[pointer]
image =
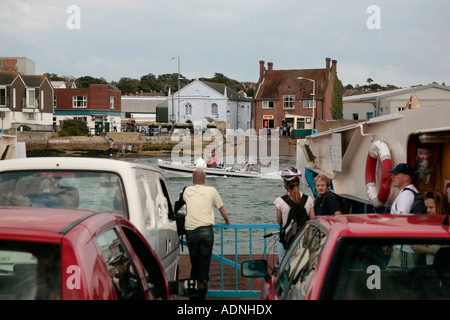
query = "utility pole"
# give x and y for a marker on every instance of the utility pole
(178, 91)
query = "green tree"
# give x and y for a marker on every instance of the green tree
(336, 98)
(128, 85)
(84, 82)
(74, 127)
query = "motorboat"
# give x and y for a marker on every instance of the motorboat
(357, 157)
(242, 170)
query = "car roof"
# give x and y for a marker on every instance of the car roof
(70, 163)
(41, 224)
(378, 225)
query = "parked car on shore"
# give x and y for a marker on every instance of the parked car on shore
(362, 256)
(136, 192)
(52, 254)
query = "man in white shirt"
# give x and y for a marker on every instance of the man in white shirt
(200, 203)
(402, 176)
(403, 256)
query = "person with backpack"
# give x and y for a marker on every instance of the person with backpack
(293, 209)
(402, 177)
(327, 202)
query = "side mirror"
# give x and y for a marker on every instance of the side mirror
(188, 288)
(254, 269)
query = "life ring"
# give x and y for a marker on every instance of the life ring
(378, 150)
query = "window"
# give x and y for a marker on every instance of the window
(188, 109)
(2, 96)
(308, 104)
(363, 271)
(355, 116)
(288, 101)
(95, 191)
(79, 101)
(369, 115)
(29, 271)
(214, 109)
(300, 123)
(31, 99)
(268, 104)
(122, 270)
(299, 263)
(111, 102)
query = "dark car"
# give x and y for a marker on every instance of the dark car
(49, 253)
(362, 257)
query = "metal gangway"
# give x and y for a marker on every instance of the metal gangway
(233, 244)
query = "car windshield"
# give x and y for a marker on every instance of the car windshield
(389, 269)
(84, 190)
(29, 271)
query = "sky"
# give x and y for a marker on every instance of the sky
(396, 42)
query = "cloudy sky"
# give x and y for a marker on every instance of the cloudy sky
(398, 42)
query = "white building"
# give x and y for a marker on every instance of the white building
(366, 106)
(202, 102)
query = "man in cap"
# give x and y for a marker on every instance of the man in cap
(402, 176)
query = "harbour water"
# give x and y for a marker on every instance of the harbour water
(247, 200)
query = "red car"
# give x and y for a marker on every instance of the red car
(362, 257)
(48, 253)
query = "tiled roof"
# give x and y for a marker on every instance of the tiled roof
(7, 77)
(231, 93)
(274, 79)
(33, 81)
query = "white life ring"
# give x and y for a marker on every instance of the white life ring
(378, 150)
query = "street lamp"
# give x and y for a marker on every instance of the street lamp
(178, 91)
(314, 97)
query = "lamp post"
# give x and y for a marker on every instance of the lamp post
(314, 97)
(178, 91)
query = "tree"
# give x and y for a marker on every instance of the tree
(84, 82)
(369, 80)
(74, 127)
(128, 85)
(336, 98)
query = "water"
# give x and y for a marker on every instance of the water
(247, 200)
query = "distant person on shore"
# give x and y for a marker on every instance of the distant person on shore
(200, 203)
(111, 146)
(327, 203)
(129, 148)
(122, 149)
(293, 198)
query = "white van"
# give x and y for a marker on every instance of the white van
(134, 191)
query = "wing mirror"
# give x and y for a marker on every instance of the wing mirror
(254, 269)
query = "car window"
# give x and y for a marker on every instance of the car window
(29, 271)
(94, 191)
(122, 270)
(153, 273)
(299, 263)
(389, 269)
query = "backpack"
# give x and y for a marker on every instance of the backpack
(297, 218)
(180, 217)
(418, 205)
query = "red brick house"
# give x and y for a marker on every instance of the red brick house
(281, 98)
(98, 106)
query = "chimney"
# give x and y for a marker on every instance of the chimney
(328, 67)
(261, 70)
(333, 65)
(270, 65)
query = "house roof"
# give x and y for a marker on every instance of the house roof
(274, 79)
(231, 93)
(7, 77)
(33, 81)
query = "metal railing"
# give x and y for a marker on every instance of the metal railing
(242, 236)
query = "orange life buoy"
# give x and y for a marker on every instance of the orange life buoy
(378, 150)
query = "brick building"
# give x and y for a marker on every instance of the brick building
(282, 98)
(98, 106)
